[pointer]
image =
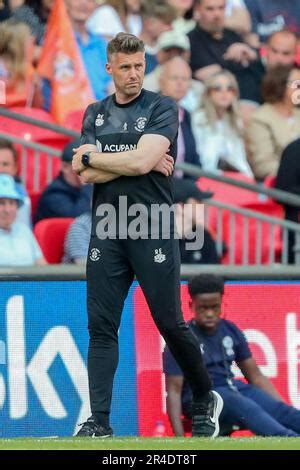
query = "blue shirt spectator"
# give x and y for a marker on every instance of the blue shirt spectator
(93, 54)
(18, 246)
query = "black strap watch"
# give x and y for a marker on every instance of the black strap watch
(85, 159)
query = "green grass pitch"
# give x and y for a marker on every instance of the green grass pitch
(135, 443)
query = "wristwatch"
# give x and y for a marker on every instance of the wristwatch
(85, 159)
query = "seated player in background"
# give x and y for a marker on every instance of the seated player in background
(255, 405)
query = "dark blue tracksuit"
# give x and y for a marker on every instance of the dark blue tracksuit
(245, 405)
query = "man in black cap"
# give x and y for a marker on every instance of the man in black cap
(66, 196)
(186, 192)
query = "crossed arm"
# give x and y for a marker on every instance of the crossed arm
(150, 154)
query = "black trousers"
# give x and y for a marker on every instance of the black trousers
(111, 267)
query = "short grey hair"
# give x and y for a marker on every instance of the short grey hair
(125, 43)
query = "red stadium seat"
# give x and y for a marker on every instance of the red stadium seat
(39, 168)
(50, 234)
(226, 194)
(229, 194)
(268, 207)
(270, 181)
(31, 132)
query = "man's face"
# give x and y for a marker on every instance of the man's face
(127, 71)
(211, 15)
(7, 162)
(8, 212)
(80, 10)
(207, 309)
(281, 50)
(175, 80)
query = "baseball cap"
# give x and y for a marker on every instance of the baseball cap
(8, 189)
(187, 188)
(172, 38)
(67, 154)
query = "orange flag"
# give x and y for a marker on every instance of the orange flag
(62, 65)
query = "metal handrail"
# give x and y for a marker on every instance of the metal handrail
(36, 122)
(287, 224)
(68, 272)
(32, 145)
(278, 195)
(286, 227)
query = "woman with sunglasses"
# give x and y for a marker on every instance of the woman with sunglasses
(218, 128)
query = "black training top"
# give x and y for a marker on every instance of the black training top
(115, 127)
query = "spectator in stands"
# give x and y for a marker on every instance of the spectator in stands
(174, 44)
(4, 10)
(281, 49)
(218, 128)
(18, 247)
(237, 17)
(35, 14)
(9, 166)
(255, 405)
(114, 16)
(288, 179)
(191, 222)
(78, 239)
(66, 196)
(275, 124)
(175, 79)
(92, 47)
(157, 17)
(16, 71)
(269, 16)
(213, 47)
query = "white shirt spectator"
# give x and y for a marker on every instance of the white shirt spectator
(106, 21)
(18, 246)
(219, 142)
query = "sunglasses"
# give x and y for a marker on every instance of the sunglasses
(223, 88)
